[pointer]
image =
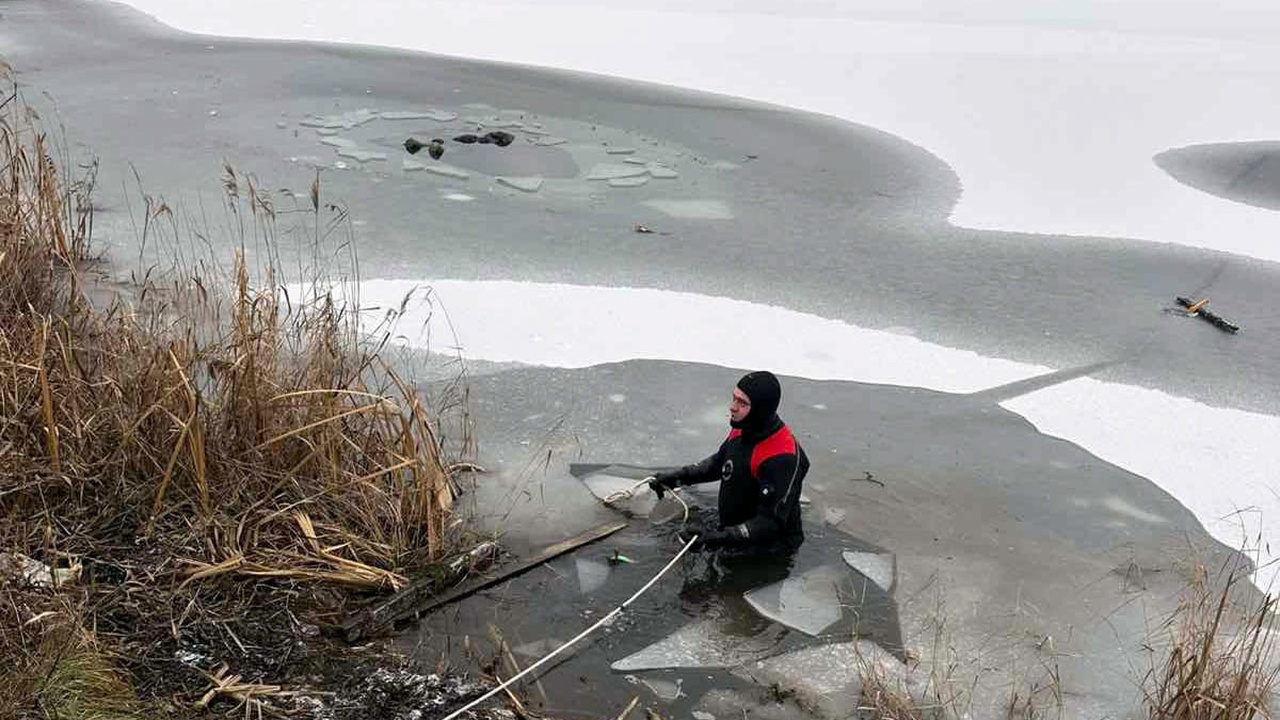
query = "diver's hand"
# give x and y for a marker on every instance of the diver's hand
(660, 483)
(710, 540)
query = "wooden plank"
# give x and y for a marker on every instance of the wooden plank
(395, 609)
(443, 575)
(1197, 309)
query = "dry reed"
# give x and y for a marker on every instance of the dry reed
(209, 440)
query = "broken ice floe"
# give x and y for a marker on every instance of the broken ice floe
(619, 150)
(877, 567)
(665, 690)
(338, 142)
(361, 155)
(702, 644)
(448, 171)
(723, 703)
(345, 120)
(628, 182)
(828, 678)
(809, 602)
(613, 171)
(526, 184)
(437, 115)
(616, 487)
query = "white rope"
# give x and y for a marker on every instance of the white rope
(627, 494)
(602, 621)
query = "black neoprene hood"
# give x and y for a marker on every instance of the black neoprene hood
(764, 391)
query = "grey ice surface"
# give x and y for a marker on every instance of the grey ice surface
(809, 602)
(620, 150)
(864, 212)
(876, 567)
(661, 172)
(526, 184)
(834, 516)
(549, 140)
(702, 644)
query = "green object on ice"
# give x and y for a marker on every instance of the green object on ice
(618, 558)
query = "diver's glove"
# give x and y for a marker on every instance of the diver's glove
(661, 482)
(712, 539)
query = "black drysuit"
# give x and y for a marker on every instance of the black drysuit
(761, 472)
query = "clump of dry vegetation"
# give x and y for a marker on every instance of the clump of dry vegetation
(224, 464)
(935, 692)
(1215, 655)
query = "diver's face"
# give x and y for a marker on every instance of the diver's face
(739, 406)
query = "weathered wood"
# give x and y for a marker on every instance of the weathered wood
(417, 601)
(446, 574)
(1217, 321)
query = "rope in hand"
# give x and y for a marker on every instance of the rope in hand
(602, 621)
(620, 495)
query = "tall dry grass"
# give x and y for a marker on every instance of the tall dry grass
(1215, 655)
(55, 667)
(217, 420)
(206, 445)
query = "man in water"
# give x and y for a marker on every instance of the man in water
(761, 470)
